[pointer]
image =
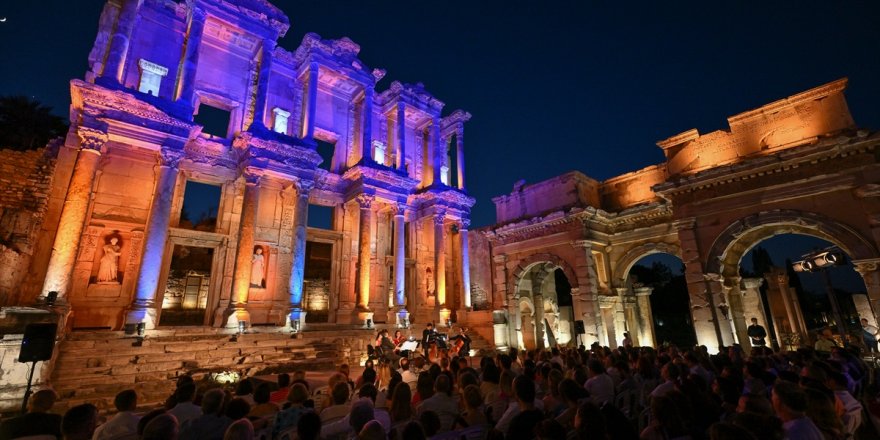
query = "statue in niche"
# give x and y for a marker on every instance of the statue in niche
(108, 271)
(258, 268)
(429, 282)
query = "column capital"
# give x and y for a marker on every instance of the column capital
(643, 291)
(865, 267)
(439, 218)
(365, 201)
(684, 223)
(398, 209)
(586, 244)
(303, 187)
(459, 131)
(465, 223)
(251, 176)
(92, 139)
(170, 158)
(752, 283)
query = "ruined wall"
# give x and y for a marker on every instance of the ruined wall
(632, 189)
(25, 178)
(561, 192)
(481, 270)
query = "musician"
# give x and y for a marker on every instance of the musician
(427, 338)
(398, 339)
(462, 342)
(757, 334)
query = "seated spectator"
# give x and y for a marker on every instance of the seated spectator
(124, 424)
(288, 417)
(372, 431)
(472, 404)
(237, 408)
(185, 410)
(79, 422)
(589, 422)
(212, 424)
(280, 396)
(442, 403)
(522, 425)
(263, 407)
(37, 420)
(848, 408)
(669, 373)
(666, 421)
(161, 427)
(245, 390)
(790, 404)
(340, 406)
(240, 430)
(148, 417)
(370, 392)
(599, 385)
(413, 431)
(309, 426)
(430, 422)
(407, 375)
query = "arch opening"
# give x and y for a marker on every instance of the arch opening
(657, 285)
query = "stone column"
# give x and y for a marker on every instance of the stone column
(119, 43)
(400, 266)
(367, 139)
(718, 300)
(646, 316)
(459, 153)
(870, 272)
(263, 83)
(311, 104)
(753, 306)
(440, 266)
(702, 298)
(187, 86)
(401, 136)
(365, 202)
(73, 213)
(241, 278)
(538, 301)
(437, 157)
(737, 312)
(585, 303)
(465, 264)
(620, 323)
(298, 265)
(144, 307)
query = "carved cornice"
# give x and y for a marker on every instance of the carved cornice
(866, 267)
(170, 158)
(99, 102)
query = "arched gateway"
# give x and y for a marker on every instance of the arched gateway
(798, 165)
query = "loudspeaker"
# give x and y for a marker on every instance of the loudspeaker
(38, 342)
(579, 327)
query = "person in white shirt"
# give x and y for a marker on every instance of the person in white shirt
(407, 375)
(185, 409)
(367, 395)
(123, 426)
(599, 384)
(850, 410)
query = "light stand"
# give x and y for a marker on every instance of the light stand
(819, 261)
(27, 392)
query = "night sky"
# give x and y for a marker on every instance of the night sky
(553, 86)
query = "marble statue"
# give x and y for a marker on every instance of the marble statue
(108, 270)
(257, 268)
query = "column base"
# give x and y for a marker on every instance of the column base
(146, 315)
(402, 318)
(445, 315)
(365, 316)
(237, 316)
(296, 320)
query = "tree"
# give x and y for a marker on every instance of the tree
(26, 124)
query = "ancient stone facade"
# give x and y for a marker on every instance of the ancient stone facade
(398, 237)
(798, 165)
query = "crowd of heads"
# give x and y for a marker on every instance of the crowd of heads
(560, 393)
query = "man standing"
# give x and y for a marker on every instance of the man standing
(757, 334)
(427, 337)
(869, 336)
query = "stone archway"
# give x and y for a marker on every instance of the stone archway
(534, 280)
(526, 311)
(527, 263)
(625, 263)
(724, 257)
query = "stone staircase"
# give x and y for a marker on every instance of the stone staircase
(94, 366)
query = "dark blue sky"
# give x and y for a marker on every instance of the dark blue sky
(553, 86)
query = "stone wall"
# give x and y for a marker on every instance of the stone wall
(25, 178)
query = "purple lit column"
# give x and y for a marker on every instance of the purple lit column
(312, 96)
(241, 278)
(437, 157)
(400, 266)
(144, 308)
(401, 136)
(120, 41)
(187, 86)
(298, 266)
(365, 202)
(459, 151)
(367, 141)
(465, 263)
(74, 213)
(263, 83)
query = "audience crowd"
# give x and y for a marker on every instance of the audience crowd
(560, 394)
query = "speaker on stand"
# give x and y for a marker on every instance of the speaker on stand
(579, 329)
(37, 345)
